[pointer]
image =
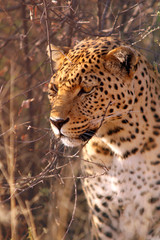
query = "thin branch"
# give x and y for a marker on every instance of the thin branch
(146, 34)
(75, 201)
(48, 36)
(28, 69)
(73, 7)
(106, 8)
(10, 9)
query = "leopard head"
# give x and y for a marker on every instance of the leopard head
(91, 87)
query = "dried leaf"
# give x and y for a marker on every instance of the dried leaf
(26, 103)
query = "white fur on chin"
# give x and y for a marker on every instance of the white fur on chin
(71, 142)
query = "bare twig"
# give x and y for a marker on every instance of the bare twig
(146, 34)
(107, 4)
(28, 69)
(48, 36)
(11, 160)
(75, 201)
(31, 220)
(10, 9)
(73, 7)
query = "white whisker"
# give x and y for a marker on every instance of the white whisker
(113, 115)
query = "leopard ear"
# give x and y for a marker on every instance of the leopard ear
(122, 62)
(56, 54)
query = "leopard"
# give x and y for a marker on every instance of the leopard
(104, 98)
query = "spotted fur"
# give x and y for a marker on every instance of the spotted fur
(104, 97)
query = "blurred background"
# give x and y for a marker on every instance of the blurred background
(40, 190)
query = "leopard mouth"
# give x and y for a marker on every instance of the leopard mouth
(86, 136)
(73, 141)
(80, 140)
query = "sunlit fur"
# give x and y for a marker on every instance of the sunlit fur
(104, 98)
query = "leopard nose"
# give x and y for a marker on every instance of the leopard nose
(58, 122)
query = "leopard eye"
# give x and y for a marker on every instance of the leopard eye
(85, 90)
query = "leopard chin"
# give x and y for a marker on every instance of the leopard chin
(71, 142)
